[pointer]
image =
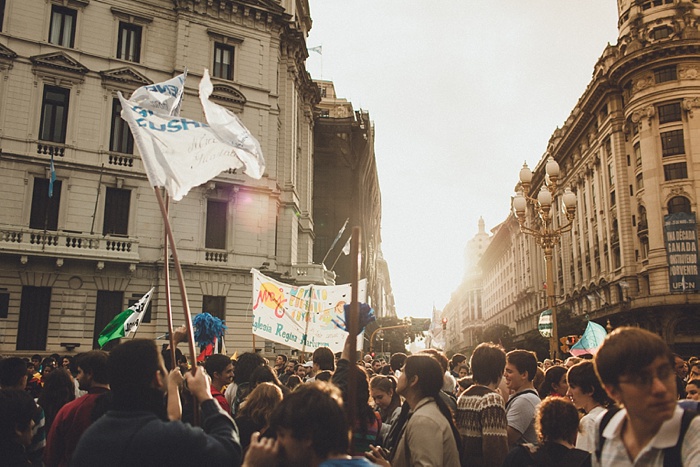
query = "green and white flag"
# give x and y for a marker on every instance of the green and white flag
(126, 322)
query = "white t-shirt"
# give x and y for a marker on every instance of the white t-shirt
(586, 439)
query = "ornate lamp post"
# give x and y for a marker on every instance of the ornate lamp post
(545, 234)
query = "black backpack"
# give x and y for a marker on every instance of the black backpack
(672, 455)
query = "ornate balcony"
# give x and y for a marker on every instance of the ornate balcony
(76, 245)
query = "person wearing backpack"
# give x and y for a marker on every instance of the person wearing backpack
(635, 367)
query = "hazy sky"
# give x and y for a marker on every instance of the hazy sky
(461, 92)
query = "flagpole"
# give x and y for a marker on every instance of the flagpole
(353, 324)
(308, 319)
(180, 279)
(168, 308)
(336, 259)
(337, 237)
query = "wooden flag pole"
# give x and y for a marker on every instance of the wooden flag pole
(168, 306)
(180, 279)
(353, 325)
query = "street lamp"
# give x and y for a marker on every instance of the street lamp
(545, 234)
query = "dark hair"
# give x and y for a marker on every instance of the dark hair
(397, 360)
(488, 361)
(556, 419)
(293, 381)
(245, 366)
(626, 351)
(315, 412)
(386, 384)
(94, 362)
(324, 358)
(523, 360)
(216, 363)
(430, 380)
(17, 408)
(457, 359)
(552, 376)
(284, 357)
(131, 366)
(439, 357)
(264, 374)
(582, 376)
(12, 370)
(58, 391)
(324, 375)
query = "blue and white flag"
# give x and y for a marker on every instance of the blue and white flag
(53, 178)
(162, 98)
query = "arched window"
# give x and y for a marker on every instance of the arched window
(679, 204)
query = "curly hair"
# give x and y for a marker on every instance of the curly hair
(260, 403)
(556, 419)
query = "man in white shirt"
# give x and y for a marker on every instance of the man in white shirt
(635, 367)
(521, 367)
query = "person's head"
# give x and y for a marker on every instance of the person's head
(220, 369)
(92, 369)
(521, 366)
(17, 409)
(397, 360)
(281, 360)
(487, 362)
(556, 420)
(13, 373)
(585, 390)
(383, 391)
(694, 372)
(289, 367)
(680, 366)
(547, 363)
(261, 402)
(692, 390)
(324, 375)
(47, 366)
(66, 362)
(245, 365)
(554, 383)
(571, 361)
(136, 367)
(376, 366)
(264, 374)
(367, 358)
(300, 371)
(462, 370)
(636, 369)
(323, 359)
(293, 381)
(439, 357)
(36, 360)
(422, 376)
(457, 360)
(310, 424)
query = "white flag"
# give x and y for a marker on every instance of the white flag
(231, 130)
(346, 248)
(162, 98)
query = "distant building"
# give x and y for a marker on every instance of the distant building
(346, 186)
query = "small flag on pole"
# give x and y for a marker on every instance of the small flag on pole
(590, 341)
(318, 49)
(346, 248)
(125, 322)
(53, 178)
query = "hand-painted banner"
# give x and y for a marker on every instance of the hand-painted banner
(281, 311)
(680, 235)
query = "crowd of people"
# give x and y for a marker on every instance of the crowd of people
(633, 403)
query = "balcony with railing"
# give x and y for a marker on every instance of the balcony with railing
(66, 244)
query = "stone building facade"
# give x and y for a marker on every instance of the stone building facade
(71, 261)
(630, 150)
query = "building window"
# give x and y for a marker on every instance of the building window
(612, 198)
(54, 114)
(675, 171)
(638, 154)
(662, 32)
(33, 324)
(120, 138)
(129, 43)
(611, 174)
(116, 216)
(667, 73)
(216, 224)
(44, 213)
(640, 181)
(679, 204)
(62, 29)
(223, 61)
(215, 306)
(672, 143)
(670, 112)
(2, 13)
